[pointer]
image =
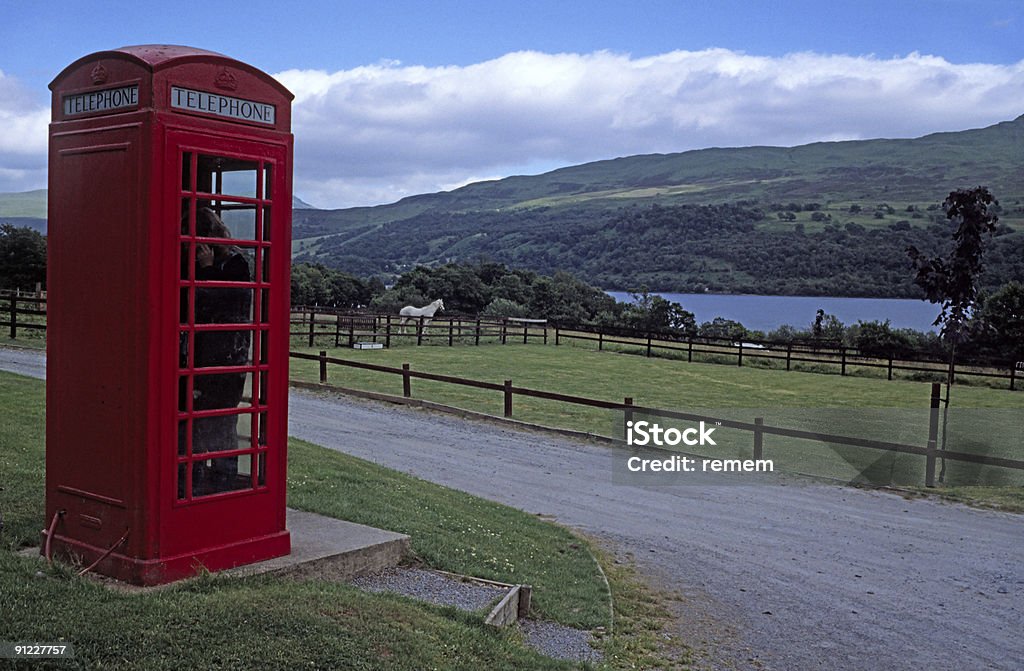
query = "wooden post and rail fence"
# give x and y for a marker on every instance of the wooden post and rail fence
(345, 329)
(838, 357)
(758, 429)
(22, 311)
(27, 312)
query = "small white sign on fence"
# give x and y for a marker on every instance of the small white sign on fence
(367, 345)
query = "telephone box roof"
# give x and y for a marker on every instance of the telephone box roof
(156, 57)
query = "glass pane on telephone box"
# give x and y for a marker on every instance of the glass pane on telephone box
(225, 198)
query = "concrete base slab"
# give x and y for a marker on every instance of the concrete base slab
(330, 549)
(322, 547)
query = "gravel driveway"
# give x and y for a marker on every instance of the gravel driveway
(785, 576)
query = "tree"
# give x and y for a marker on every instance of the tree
(723, 328)
(649, 312)
(503, 307)
(878, 339)
(1000, 322)
(314, 284)
(22, 257)
(458, 285)
(952, 280)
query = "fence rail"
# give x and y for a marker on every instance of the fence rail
(758, 429)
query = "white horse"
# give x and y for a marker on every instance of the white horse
(423, 314)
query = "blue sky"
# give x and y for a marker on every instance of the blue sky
(396, 98)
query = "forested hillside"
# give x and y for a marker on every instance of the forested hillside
(684, 248)
(832, 218)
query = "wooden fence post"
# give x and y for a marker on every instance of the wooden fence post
(933, 435)
(789, 354)
(419, 331)
(451, 323)
(504, 332)
(387, 333)
(1013, 374)
(890, 367)
(351, 332)
(842, 351)
(323, 367)
(476, 335)
(14, 316)
(406, 381)
(739, 354)
(600, 340)
(648, 344)
(627, 415)
(557, 338)
(337, 330)
(508, 398)
(758, 438)
(312, 325)
(689, 350)
(526, 330)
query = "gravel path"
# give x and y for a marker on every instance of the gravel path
(23, 362)
(560, 642)
(432, 587)
(802, 576)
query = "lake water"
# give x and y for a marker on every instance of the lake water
(765, 313)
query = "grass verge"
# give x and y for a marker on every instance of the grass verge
(1006, 499)
(266, 622)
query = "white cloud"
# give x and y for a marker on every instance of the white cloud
(380, 132)
(23, 123)
(376, 133)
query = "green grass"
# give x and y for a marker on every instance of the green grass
(251, 623)
(265, 622)
(983, 420)
(1007, 499)
(655, 382)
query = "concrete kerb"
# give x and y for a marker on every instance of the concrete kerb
(513, 606)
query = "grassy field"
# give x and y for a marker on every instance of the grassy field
(266, 622)
(982, 420)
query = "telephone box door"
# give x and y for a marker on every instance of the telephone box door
(226, 410)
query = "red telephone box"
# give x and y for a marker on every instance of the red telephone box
(167, 343)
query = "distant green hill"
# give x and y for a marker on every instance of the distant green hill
(30, 204)
(824, 218)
